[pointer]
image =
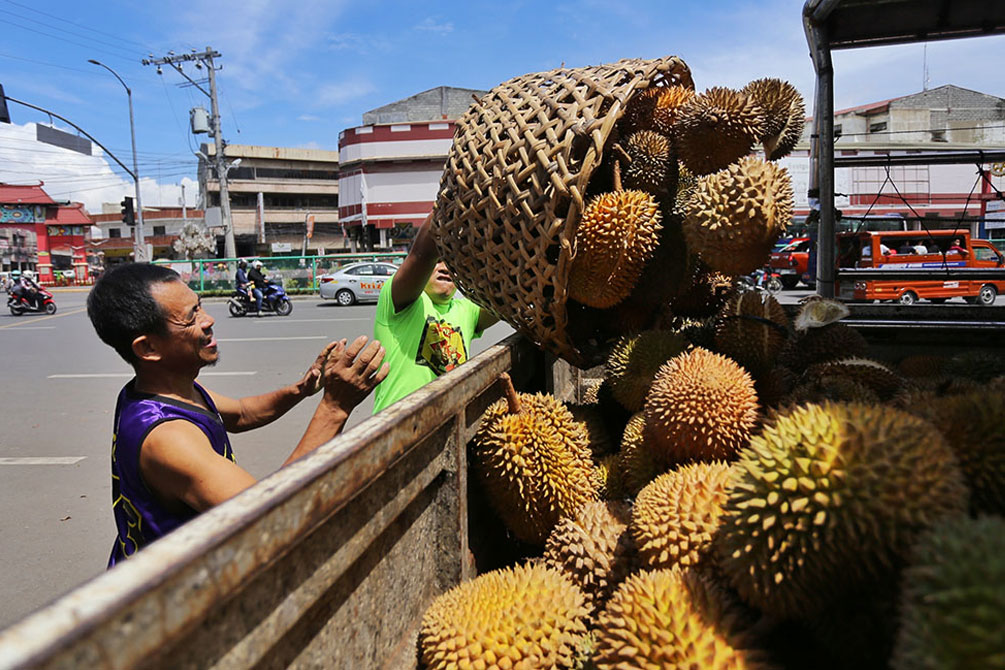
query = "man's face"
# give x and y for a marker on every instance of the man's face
(189, 341)
(440, 288)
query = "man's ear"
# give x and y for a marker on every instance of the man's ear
(145, 349)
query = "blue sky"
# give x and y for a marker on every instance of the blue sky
(296, 74)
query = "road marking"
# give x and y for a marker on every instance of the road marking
(44, 318)
(37, 327)
(271, 339)
(39, 460)
(126, 375)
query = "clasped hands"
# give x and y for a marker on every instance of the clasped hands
(348, 372)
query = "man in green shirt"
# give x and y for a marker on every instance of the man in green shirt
(424, 328)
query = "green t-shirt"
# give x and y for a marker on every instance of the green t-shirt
(422, 341)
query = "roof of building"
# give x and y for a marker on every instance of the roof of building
(70, 215)
(436, 104)
(24, 194)
(867, 108)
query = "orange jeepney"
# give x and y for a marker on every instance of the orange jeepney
(944, 250)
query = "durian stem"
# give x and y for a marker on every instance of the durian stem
(622, 155)
(617, 176)
(512, 397)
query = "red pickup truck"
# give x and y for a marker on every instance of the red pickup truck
(791, 261)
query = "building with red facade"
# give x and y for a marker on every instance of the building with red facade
(37, 233)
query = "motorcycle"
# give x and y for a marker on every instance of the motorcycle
(762, 279)
(22, 304)
(274, 299)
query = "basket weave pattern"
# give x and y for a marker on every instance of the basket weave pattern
(514, 187)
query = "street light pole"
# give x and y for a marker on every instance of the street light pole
(139, 242)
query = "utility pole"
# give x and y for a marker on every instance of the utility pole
(201, 59)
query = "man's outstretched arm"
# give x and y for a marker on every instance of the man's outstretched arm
(415, 271)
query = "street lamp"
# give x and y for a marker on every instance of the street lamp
(139, 243)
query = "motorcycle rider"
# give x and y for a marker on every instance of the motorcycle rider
(243, 283)
(26, 286)
(259, 282)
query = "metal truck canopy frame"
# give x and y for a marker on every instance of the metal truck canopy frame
(851, 24)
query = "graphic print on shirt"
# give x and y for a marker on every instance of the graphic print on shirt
(441, 347)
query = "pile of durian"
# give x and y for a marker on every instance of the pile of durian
(742, 491)
(681, 205)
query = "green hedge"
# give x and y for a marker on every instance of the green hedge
(226, 293)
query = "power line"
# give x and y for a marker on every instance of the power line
(68, 22)
(114, 45)
(68, 41)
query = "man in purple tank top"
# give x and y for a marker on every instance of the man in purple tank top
(171, 458)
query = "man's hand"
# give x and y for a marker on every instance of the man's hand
(353, 371)
(312, 382)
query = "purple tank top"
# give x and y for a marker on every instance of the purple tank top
(139, 517)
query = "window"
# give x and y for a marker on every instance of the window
(114, 232)
(877, 127)
(986, 254)
(939, 136)
(837, 131)
(159, 230)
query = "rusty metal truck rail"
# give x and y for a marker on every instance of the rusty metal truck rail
(329, 562)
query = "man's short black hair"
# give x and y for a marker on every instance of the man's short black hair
(121, 307)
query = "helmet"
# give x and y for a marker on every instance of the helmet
(29, 274)
(242, 263)
(257, 264)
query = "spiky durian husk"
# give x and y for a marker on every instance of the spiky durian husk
(535, 465)
(775, 385)
(703, 291)
(818, 345)
(660, 281)
(591, 396)
(496, 621)
(639, 111)
(638, 463)
(687, 182)
(873, 375)
(827, 497)
(607, 478)
(922, 365)
(653, 168)
(633, 363)
(784, 115)
(752, 329)
(669, 106)
(593, 549)
(981, 366)
(598, 436)
(676, 515)
(616, 237)
(836, 388)
(674, 620)
(817, 312)
(734, 217)
(717, 128)
(953, 598)
(697, 331)
(973, 425)
(702, 406)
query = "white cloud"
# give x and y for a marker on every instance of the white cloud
(332, 95)
(430, 25)
(75, 177)
(308, 117)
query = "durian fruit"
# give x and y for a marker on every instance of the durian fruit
(638, 464)
(873, 375)
(533, 460)
(676, 515)
(616, 237)
(717, 128)
(980, 366)
(752, 329)
(953, 598)
(598, 436)
(922, 365)
(661, 280)
(833, 341)
(734, 216)
(639, 111)
(669, 107)
(703, 292)
(530, 616)
(633, 363)
(593, 549)
(837, 388)
(675, 620)
(653, 167)
(591, 395)
(775, 385)
(974, 426)
(784, 115)
(702, 406)
(687, 182)
(829, 497)
(607, 478)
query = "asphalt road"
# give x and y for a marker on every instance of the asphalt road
(59, 389)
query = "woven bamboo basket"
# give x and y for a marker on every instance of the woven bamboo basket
(514, 187)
